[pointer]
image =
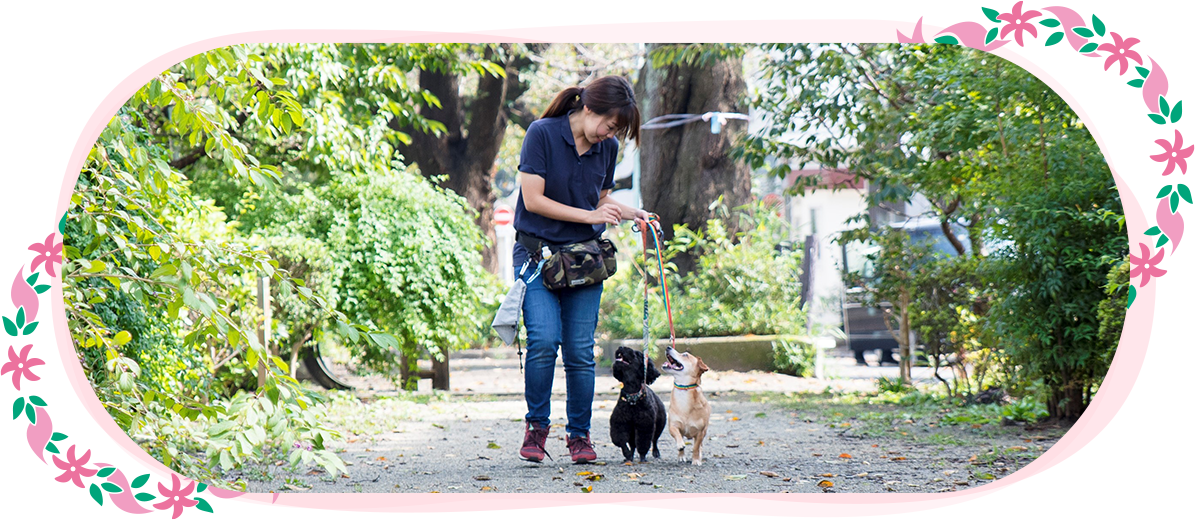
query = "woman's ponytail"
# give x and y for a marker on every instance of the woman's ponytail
(565, 101)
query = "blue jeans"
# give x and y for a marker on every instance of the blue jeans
(564, 319)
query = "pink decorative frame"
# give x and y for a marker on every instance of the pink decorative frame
(107, 484)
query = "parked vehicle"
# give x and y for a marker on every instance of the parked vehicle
(863, 324)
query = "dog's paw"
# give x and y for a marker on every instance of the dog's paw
(697, 463)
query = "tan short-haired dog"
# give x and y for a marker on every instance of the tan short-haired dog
(688, 411)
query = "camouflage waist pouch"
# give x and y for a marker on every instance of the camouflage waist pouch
(580, 264)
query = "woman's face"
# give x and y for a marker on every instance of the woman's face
(598, 128)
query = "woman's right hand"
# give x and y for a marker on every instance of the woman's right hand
(606, 214)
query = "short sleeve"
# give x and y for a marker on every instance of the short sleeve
(534, 156)
(608, 183)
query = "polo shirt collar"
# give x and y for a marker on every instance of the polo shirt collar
(566, 131)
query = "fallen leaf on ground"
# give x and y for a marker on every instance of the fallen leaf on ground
(634, 476)
(481, 477)
(486, 488)
(587, 489)
(440, 426)
(293, 487)
(735, 477)
(864, 474)
(593, 478)
(898, 458)
(825, 484)
(768, 474)
(734, 418)
(828, 475)
(817, 454)
(493, 446)
(584, 473)
(972, 459)
(381, 459)
(950, 472)
(844, 456)
(875, 445)
(1017, 448)
(761, 414)
(787, 479)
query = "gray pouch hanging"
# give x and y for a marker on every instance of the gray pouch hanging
(506, 321)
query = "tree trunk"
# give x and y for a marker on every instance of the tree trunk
(465, 154)
(686, 168)
(906, 359)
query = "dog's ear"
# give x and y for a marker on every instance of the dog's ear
(701, 366)
(652, 373)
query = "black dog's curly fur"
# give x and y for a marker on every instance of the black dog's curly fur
(635, 427)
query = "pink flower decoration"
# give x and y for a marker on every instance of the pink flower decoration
(176, 497)
(49, 253)
(1174, 154)
(21, 366)
(1018, 23)
(1118, 51)
(1146, 266)
(73, 467)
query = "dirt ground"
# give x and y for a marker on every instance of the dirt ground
(769, 433)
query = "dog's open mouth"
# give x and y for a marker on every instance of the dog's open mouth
(672, 363)
(618, 359)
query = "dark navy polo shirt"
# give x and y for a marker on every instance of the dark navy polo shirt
(550, 152)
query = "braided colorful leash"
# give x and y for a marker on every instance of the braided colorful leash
(653, 224)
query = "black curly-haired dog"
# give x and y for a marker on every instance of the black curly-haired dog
(639, 417)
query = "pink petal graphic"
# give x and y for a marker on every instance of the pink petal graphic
(972, 35)
(39, 434)
(223, 493)
(1155, 85)
(1070, 20)
(917, 36)
(1170, 223)
(24, 296)
(125, 500)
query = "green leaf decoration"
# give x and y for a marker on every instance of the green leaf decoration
(58, 437)
(1174, 202)
(36, 400)
(145, 497)
(202, 505)
(111, 488)
(32, 279)
(1161, 102)
(10, 327)
(21, 315)
(31, 414)
(62, 225)
(1157, 119)
(1132, 296)
(1050, 22)
(1185, 193)
(1054, 38)
(1176, 113)
(1152, 231)
(1137, 83)
(992, 14)
(948, 40)
(96, 494)
(200, 487)
(41, 288)
(106, 471)
(29, 329)
(1083, 31)
(1097, 24)
(1144, 72)
(1162, 241)
(1088, 48)
(17, 406)
(50, 447)
(1165, 191)
(140, 481)
(991, 36)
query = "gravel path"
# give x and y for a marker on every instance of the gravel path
(467, 442)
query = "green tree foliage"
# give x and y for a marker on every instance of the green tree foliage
(175, 216)
(996, 152)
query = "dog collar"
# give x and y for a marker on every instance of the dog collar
(684, 387)
(633, 399)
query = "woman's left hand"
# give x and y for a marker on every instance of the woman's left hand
(641, 214)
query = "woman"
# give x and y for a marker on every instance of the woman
(566, 174)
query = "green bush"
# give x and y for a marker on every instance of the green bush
(743, 284)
